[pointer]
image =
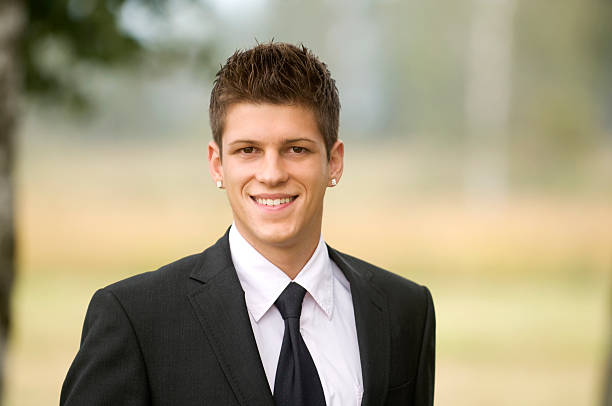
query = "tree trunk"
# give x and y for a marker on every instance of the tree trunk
(11, 25)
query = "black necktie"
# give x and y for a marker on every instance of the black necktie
(297, 381)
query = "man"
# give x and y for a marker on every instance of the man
(269, 315)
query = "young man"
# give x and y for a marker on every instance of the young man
(269, 315)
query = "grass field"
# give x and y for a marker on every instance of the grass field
(521, 286)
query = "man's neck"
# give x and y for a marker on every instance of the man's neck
(289, 257)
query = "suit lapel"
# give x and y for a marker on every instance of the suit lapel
(372, 323)
(221, 309)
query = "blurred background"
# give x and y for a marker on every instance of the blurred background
(478, 162)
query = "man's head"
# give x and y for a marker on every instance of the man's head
(274, 115)
(276, 73)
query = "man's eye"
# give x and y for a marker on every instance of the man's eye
(247, 150)
(298, 150)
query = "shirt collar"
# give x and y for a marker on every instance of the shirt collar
(263, 282)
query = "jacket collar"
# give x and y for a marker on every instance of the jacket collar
(372, 323)
(221, 309)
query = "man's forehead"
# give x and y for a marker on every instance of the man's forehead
(270, 123)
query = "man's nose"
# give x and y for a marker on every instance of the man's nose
(272, 170)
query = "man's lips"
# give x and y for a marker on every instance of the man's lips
(273, 200)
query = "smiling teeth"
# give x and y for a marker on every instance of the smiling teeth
(274, 202)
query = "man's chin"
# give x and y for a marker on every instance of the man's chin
(277, 235)
(277, 239)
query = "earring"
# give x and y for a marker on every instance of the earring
(219, 184)
(334, 182)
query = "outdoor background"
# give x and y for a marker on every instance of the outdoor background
(478, 162)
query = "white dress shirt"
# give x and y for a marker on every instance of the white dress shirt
(327, 322)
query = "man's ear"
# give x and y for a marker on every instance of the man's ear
(336, 161)
(214, 162)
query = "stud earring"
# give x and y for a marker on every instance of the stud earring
(219, 184)
(334, 182)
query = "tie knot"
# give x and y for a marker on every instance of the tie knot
(289, 303)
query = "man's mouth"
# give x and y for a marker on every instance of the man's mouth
(273, 202)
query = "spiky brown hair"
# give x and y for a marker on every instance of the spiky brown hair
(277, 73)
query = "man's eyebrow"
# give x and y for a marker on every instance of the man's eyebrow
(287, 141)
(245, 141)
(292, 140)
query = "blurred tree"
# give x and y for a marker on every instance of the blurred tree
(600, 49)
(11, 25)
(488, 96)
(34, 35)
(561, 77)
(80, 30)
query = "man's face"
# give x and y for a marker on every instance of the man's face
(275, 170)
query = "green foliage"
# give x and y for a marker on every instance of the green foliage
(73, 31)
(601, 52)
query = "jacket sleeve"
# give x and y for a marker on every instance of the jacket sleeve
(109, 368)
(424, 386)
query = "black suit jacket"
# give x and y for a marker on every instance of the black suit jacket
(181, 335)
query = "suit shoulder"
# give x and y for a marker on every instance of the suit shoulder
(393, 285)
(164, 278)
